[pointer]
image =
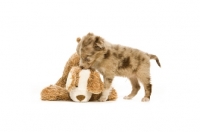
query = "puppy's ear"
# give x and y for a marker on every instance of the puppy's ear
(95, 85)
(78, 39)
(73, 78)
(90, 34)
(98, 43)
(78, 45)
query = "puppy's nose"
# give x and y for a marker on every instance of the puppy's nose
(80, 97)
(81, 67)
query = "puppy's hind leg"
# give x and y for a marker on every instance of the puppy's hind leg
(135, 87)
(143, 74)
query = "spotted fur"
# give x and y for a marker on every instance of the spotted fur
(116, 60)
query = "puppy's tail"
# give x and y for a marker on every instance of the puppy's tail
(155, 58)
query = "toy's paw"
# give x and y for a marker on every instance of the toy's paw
(127, 97)
(145, 99)
(103, 98)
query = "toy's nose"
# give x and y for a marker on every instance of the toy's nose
(80, 97)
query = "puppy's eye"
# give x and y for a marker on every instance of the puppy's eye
(76, 86)
(89, 55)
(87, 59)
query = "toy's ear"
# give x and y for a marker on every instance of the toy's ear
(95, 85)
(78, 39)
(73, 78)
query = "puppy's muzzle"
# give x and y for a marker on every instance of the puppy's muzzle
(85, 67)
(82, 67)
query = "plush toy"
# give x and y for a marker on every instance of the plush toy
(76, 84)
(81, 86)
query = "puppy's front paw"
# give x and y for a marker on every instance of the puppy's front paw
(103, 98)
(128, 97)
(145, 99)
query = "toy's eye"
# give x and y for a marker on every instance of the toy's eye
(76, 86)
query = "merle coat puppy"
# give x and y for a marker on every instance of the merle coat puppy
(116, 60)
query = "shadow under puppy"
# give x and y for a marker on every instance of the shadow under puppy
(116, 60)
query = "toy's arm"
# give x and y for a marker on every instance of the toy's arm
(53, 93)
(73, 61)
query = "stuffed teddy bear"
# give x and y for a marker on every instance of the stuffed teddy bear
(76, 84)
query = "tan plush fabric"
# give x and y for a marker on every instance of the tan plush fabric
(95, 85)
(112, 96)
(54, 92)
(73, 61)
(75, 77)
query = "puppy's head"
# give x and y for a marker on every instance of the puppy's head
(89, 48)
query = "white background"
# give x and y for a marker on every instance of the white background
(37, 38)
